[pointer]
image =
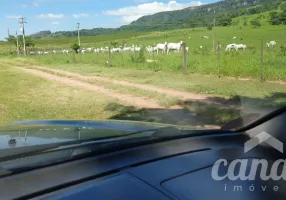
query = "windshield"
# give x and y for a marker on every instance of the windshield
(194, 65)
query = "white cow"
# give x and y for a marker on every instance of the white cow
(271, 44)
(162, 47)
(89, 49)
(240, 46)
(231, 47)
(174, 46)
(205, 37)
(234, 38)
(96, 50)
(32, 53)
(45, 53)
(125, 49)
(115, 50)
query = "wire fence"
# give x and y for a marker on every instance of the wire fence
(259, 63)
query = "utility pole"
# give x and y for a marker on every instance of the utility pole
(214, 34)
(78, 37)
(17, 40)
(9, 41)
(22, 25)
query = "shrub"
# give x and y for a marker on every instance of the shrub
(138, 57)
(75, 47)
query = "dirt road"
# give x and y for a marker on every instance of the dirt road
(130, 99)
(79, 80)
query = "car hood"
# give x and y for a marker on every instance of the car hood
(30, 133)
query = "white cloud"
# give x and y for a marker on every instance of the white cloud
(55, 23)
(51, 16)
(80, 15)
(132, 13)
(13, 16)
(23, 5)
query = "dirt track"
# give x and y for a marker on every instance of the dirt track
(130, 99)
(170, 92)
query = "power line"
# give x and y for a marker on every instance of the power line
(22, 26)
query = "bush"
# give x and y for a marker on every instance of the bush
(138, 57)
(209, 28)
(75, 47)
(255, 23)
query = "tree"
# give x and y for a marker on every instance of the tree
(193, 23)
(274, 18)
(75, 47)
(28, 41)
(224, 21)
(282, 17)
(255, 23)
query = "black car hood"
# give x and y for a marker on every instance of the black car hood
(30, 133)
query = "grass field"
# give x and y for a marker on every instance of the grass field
(27, 97)
(204, 61)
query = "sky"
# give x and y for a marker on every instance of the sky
(60, 15)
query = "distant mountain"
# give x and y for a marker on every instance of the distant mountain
(205, 14)
(224, 11)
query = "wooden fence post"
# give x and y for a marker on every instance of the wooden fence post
(109, 57)
(73, 53)
(261, 62)
(184, 57)
(218, 54)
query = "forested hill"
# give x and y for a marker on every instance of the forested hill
(204, 15)
(224, 12)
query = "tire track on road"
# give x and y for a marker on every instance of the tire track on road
(130, 99)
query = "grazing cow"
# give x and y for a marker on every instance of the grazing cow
(89, 49)
(234, 38)
(271, 44)
(231, 47)
(162, 47)
(115, 50)
(32, 53)
(174, 46)
(240, 46)
(205, 37)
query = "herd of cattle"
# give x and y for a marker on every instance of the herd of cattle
(160, 47)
